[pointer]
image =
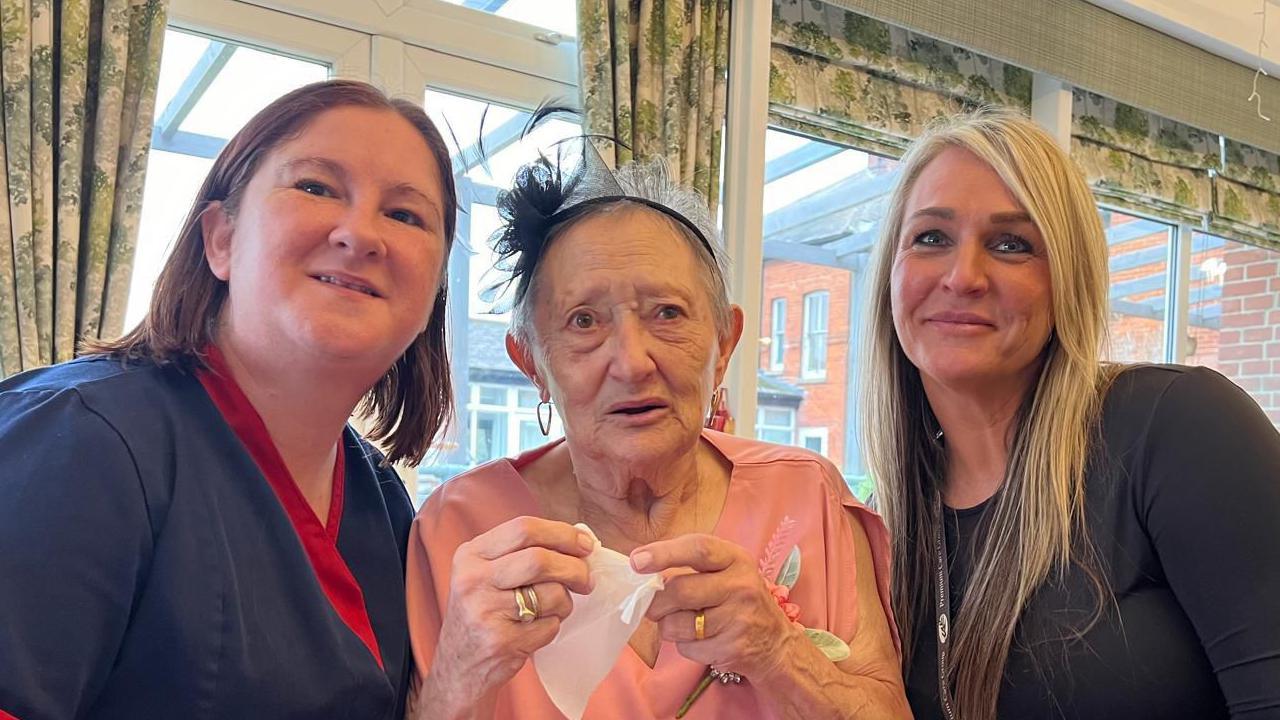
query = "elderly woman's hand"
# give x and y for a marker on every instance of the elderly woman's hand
(744, 629)
(483, 640)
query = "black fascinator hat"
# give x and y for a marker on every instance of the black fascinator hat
(567, 182)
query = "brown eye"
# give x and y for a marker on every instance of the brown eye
(583, 321)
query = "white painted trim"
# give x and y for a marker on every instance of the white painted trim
(387, 65)
(821, 433)
(1051, 107)
(449, 29)
(747, 119)
(1178, 313)
(346, 51)
(428, 68)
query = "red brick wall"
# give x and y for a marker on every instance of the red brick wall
(1248, 348)
(824, 403)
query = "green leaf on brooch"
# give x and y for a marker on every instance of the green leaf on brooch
(789, 573)
(833, 647)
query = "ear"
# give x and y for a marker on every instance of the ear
(728, 343)
(523, 359)
(215, 228)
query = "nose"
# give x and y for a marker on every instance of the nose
(631, 357)
(967, 274)
(357, 231)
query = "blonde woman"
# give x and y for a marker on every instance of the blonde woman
(1107, 534)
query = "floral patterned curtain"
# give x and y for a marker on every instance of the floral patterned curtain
(854, 80)
(1147, 163)
(75, 152)
(654, 77)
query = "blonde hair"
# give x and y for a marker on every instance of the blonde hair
(1037, 520)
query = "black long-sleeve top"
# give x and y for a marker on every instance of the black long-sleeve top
(1184, 509)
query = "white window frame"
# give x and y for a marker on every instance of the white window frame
(778, 335)
(790, 427)
(512, 412)
(821, 434)
(811, 337)
(345, 51)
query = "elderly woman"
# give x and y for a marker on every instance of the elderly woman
(188, 527)
(621, 320)
(1107, 535)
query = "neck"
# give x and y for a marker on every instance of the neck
(627, 508)
(978, 427)
(304, 424)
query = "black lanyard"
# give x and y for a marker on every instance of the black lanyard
(943, 605)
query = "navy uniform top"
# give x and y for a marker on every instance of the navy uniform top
(1183, 503)
(154, 563)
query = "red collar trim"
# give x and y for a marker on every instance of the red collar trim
(319, 541)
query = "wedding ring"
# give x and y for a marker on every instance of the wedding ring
(700, 626)
(524, 613)
(531, 597)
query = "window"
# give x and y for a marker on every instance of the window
(778, 336)
(1139, 264)
(814, 439)
(503, 423)
(776, 424)
(556, 15)
(501, 420)
(1233, 318)
(814, 351)
(822, 209)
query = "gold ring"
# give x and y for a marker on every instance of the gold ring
(531, 596)
(700, 626)
(523, 613)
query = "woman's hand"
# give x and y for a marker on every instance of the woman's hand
(483, 642)
(744, 630)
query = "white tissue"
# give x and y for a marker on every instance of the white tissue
(596, 632)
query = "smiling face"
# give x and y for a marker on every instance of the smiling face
(626, 341)
(970, 288)
(334, 250)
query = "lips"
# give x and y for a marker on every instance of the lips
(349, 282)
(637, 407)
(960, 318)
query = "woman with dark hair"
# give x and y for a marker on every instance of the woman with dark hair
(188, 527)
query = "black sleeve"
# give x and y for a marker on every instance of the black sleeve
(1212, 496)
(74, 539)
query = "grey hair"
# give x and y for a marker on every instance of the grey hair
(649, 181)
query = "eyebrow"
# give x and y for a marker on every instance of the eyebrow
(1000, 218)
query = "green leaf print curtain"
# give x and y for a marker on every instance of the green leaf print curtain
(79, 84)
(654, 76)
(841, 76)
(857, 81)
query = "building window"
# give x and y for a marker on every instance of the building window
(504, 422)
(776, 425)
(814, 439)
(813, 353)
(778, 335)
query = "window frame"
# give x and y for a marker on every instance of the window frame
(810, 336)
(778, 335)
(822, 434)
(761, 426)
